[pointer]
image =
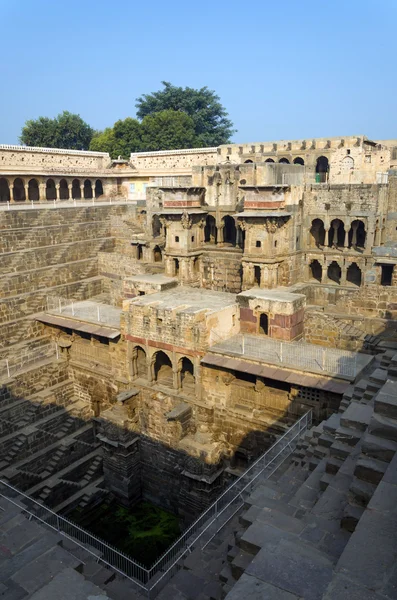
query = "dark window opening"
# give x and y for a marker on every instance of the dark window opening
(258, 244)
(177, 238)
(264, 324)
(387, 274)
(257, 275)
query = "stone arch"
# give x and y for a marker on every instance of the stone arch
(353, 274)
(336, 234)
(4, 190)
(50, 190)
(157, 254)
(316, 270)
(139, 368)
(210, 231)
(33, 190)
(230, 231)
(284, 161)
(317, 232)
(87, 189)
(249, 161)
(163, 369)
(156, 226)
(187, 374)
(334, 272)
(63, 190)
(19, 190)
(357, 234)
(269, 160)
(299, 161)
(98, 190)
(322, 169)
(76, 190)
(347, 164)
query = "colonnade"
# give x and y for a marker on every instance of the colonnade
(21, 189)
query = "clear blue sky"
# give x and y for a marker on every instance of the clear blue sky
(284, 69)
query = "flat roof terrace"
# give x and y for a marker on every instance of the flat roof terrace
(187, 300)
(297, 356)
(87, 316)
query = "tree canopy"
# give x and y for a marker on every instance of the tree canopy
(211, 125)
(166, 130)
(120, 140)
(67, 130)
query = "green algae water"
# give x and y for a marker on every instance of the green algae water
(143, 532)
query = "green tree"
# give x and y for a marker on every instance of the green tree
(120, 140)
(211, 125)
(166, 130)
(67, 130)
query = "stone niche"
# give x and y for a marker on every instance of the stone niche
(141, 285)
(275, 313)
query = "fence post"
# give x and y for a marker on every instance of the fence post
(8, 368)
(323, 359)
(281, 351)
(60, 306)
(98, 313)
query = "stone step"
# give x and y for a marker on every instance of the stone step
(356, 416)
(386, 401)
(351, 516)
(370, 469)
(361, 491)
(332, 423)
(240, 563)
(340, 450)
(347, 435)
(333, 465)
(383, 427)
(378, 448)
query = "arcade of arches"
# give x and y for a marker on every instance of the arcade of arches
(336, 273)
(36, 189)
(338, 234)
(159, 368)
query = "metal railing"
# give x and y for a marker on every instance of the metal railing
(290, 354)
(198, 535)
(78, 202)
(84, 310)
(9, 367)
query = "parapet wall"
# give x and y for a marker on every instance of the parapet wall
(22, 159)
(179, 161)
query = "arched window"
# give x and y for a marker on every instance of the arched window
(140, 369)
(50, 192)
(33, 190)
(230, 230)
(63, 190)
(316, 270)
(163, 369)
(336, 234)
(210, 232)
(187, 375)
(246, 162)
(156, 226)
(87, 189)
(322, 169)
(334, 272)
(76, 190)
(264, 324)
(357, 234)
(157, 255)
(19, 190)
(98, 188)
(4, 190)
(353, 274)
(317, 232)
(299, 161)
(269, 160)
(347, 164)
(284, 161)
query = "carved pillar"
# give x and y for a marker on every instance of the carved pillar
(343, 274)
(70, 188)
(42, 190)
(176, 379)
(335, 237)
(326, 240)
(57, 188)
(26, 191)
(134, 366)
(150, 370)
(264, 277)
(11, 193)
(219, 239)
(346, 241)
(354, 236)
(82, 191)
